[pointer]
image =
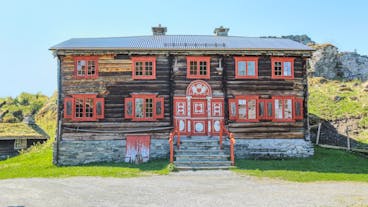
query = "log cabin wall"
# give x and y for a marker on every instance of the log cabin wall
(114, 84)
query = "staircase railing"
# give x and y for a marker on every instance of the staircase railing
(171, 143)
(225, 131)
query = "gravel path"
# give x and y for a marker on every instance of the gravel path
(203, 188)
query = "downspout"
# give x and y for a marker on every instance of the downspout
(58, 132)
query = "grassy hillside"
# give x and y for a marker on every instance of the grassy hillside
(337, 100)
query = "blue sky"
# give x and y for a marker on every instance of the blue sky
(29, 28)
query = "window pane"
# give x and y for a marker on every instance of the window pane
(99, 108)
(277, 68)
(78, 108)
(69, 108)
(251, 68)
(91, 68)
(233, 109)
(149, 107)
(278, 109)
(269, 109)
(158, 108)
(202, 68)
(261, 109)
(149, 69)
(138, 68)
(241, 68)
(252, 109)
(298, 111)
(130, 108)
(89, 107)
(193, 68)
(81, 67)
(242, 109)
(288, 109)
(287, 68)
(139, 108)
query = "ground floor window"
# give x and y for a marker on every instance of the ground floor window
(20, 144)
(84, 107)
(144, 107)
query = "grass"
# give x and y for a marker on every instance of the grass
(325, 165)
(37, 162)
(17, 130)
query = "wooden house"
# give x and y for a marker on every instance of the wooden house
(15, 137)
(121, 97)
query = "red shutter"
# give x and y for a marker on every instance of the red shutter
(232, 109)
(68, 107)
(129, 108)
(298, 109)
(100, 108)
(160, 108)
(268, 109)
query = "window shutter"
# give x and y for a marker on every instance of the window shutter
(128, 103)
(160, 105)
(100, 108)
(232, 109)
(68, 107)
(268, 109)
(298, 109)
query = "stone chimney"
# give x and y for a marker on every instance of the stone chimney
(221, 31)
(159, 30)
(29, 120)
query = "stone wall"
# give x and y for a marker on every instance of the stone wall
(271, 148)
(83, 152)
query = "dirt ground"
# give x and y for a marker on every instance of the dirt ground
(201, 188)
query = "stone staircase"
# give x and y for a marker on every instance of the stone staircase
(201, 153)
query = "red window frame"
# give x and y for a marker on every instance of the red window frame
(73, 99)
(282, 60)
(155, 101)
(247, 98)
(299, 101)
(144, 60)
(283, 98)
(265, 110)
(86, 59)
(246, 60)
(199, 59)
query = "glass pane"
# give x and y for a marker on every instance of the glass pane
(252, 113)
(277, 68)
(138, 68)
(193, 68)
(89, 107)
(69, 108)
(202, 68)
(251, 68)
(139, 108)
(91, 68)
(242, 109)
(298, 111)
(149, 68)
(288, 109)
(261, 109)
(130, 108)
(233, 109)
(99, 108)
(241, 68)
(149, 107)
(269, 109)
(158, 108)
(78, 107)
(278, 109)
(81, 67)
(287, 68)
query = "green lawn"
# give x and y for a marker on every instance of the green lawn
(325, 165)
(38, 163)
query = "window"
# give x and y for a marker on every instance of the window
(282, 68)
(244, 108)
(86, 67)
(283, 107)
(246, 67)
(84, 107)
(265, 109)
(20, 144)
(198, 67)
(144, 68)
(144, 107)
(298, 110)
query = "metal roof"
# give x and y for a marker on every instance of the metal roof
(181, 42)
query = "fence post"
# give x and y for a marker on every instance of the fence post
(347, 138)
(318, 133)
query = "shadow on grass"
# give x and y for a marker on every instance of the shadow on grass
(324, 161)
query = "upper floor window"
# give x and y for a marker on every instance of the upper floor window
(144, 68)
(246, 67)
(84, 107)
(86, 67)
(144, 107)
(282, 68)
(198, 67)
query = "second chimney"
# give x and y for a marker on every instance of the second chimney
(159, 30)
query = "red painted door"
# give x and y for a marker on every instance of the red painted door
(137, 148)
(199, 117)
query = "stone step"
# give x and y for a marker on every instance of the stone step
(198, 148)
(203, 152)
(199, 141)
(201, 163)
(199, 144)
(204, 167)
(199, 157)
